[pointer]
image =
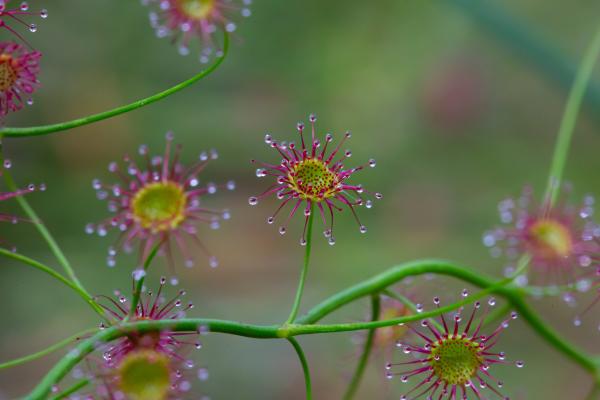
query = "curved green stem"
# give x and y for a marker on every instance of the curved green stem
(413, 307)
(395, 274)
(140, 282)
(304, 325)
(305, 368)
(46, 351)
(44, 268)
(569, 119)
(498, 314)
(298, 299)
(74, 388)
(85, 347)
(63, 126)
(366, 353)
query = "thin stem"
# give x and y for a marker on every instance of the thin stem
(594, 392)
(48, 350)
(395, 274)
(74, 388)
(140, 282)
(412, 306)
(298, 299)
(41, 227)
(366, 353)
(305, 368)
(63, 126)
(569, 120)
(85, 347)
(295, 330)
(491, 317)
(44, 268)
(497, 314)
(376, 284)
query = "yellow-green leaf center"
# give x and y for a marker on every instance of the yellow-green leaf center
(197, 9)
(160, 206)
(455, 360)
(145, 375)
(313, 180)
(551, 239)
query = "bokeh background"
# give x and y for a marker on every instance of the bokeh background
(459, 101)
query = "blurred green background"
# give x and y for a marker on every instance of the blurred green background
(458, 112)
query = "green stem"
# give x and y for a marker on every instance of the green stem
(395, 274)
(569, 119)
(46, 351)
(305, 368)
(298, 299)
(412, 306)
(63, 126)
(594, 392)
(498, 314)
(140, 282)
(369, 287)
(85, 347)
(42, 229)
(493, 316)
(82, 383)
(378, 283)
(366, 353)
(44, 268)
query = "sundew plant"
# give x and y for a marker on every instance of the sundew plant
(219, 227)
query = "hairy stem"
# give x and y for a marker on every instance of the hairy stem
(569, 119)
(366, 353)
(63, 126)
(305, 368)
(44, 268)
(300, 291)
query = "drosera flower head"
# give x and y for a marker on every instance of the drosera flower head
(562, 239)
(153, 365)
(454, 359)
(158, 203)
(313, 176)
(185, 20)
(10, 13)
(18, 76)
